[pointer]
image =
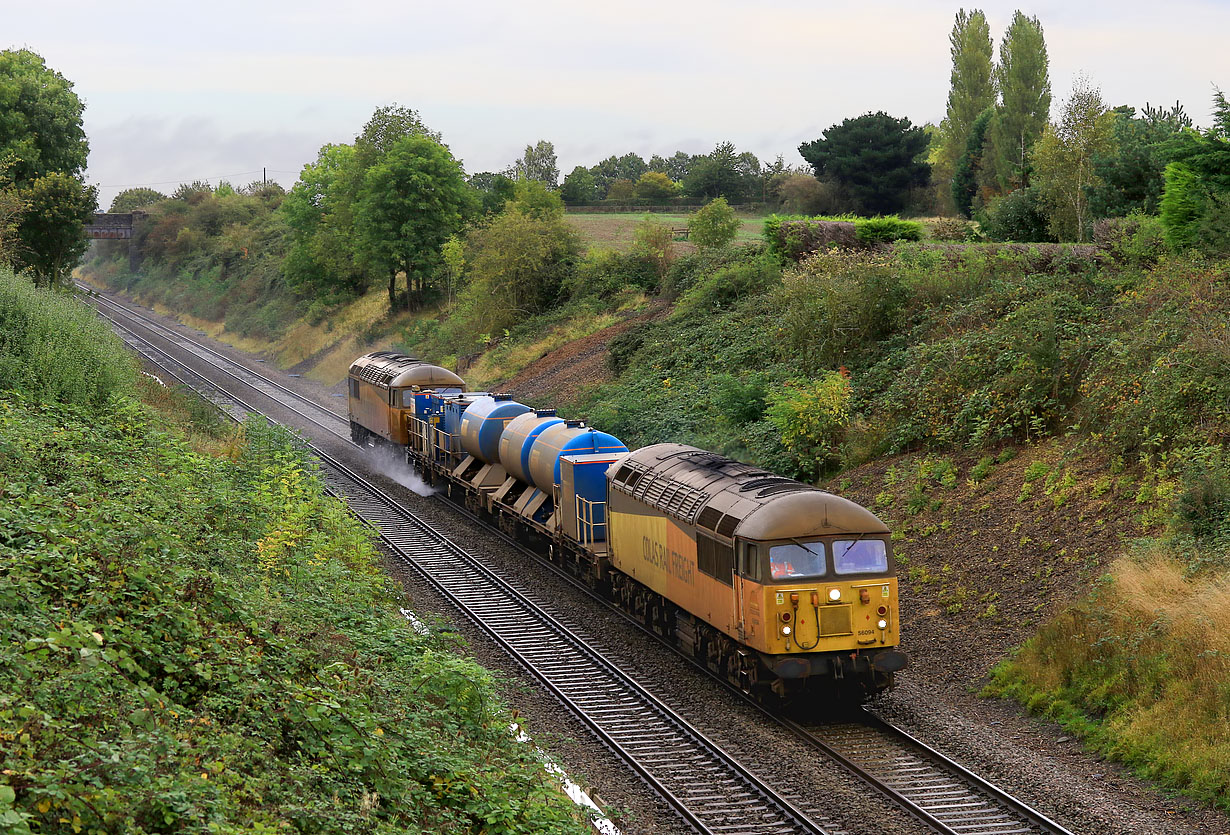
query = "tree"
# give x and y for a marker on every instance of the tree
(135, 198)
(493, 190)
(714, 225)
(654, 185)
(621, 191)
(1025, 88)
(722, 173)
(1129, 173)
(579, 187)
(1196, 199)
(539, 164)
(411, 201)
(628, 167)
(972, 83)
(192, 193)
(1062, 161)
(321, 259)
(675, 166)
(518, 263)
(58, 206)
(965, 176)
(12, 207)
(384, 129)
(803, 194)
(40, 119)
(874, 157)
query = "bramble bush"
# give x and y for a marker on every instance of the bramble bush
(196, 644)
(811, 416)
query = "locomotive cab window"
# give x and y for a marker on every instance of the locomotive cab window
(796, 559)
(354, 388)
(860, 556)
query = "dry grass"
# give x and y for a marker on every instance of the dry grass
(502, 363)
(1149, 653)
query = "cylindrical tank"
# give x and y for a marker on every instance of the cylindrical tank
(568, 438)
(519, 437)
(484, 422)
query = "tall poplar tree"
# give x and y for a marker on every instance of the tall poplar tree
(972, 87)
(1025, 89)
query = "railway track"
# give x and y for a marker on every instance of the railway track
(708, 788)
(935, 789)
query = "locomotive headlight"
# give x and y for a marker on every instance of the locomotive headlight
(882, 623)
(834, 595)
(786, 631)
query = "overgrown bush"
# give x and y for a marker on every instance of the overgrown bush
(835, 307)
(951, 230)
(52, 347)
(794, 238)
(811, 416)
(724, 286)
(1017, 216)
(604, 273)
(714, 225)
(1137, 239)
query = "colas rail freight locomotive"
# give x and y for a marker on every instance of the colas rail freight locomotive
(770, 582)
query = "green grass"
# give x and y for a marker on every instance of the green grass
(616, 230)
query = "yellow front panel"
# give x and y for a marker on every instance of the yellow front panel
(847, 624)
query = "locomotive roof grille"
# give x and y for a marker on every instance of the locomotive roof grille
(664, 494)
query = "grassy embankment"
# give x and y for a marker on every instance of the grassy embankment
(1021, 416)
(196, 638)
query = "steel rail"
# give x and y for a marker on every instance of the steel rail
(340, 425)
(708, 788)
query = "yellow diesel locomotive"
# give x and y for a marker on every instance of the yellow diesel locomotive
(774, 584)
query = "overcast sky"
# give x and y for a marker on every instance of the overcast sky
(176, 92)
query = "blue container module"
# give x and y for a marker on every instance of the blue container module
(568, 438)
(584, 477)
(518, 439)
(454, 408)
(484, 422)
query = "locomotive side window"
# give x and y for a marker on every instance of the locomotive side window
(715, 559)
(354, 388)
(860, 556)
(797, 559)
(750, 566)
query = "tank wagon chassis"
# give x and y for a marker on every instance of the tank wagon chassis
(772, 584)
